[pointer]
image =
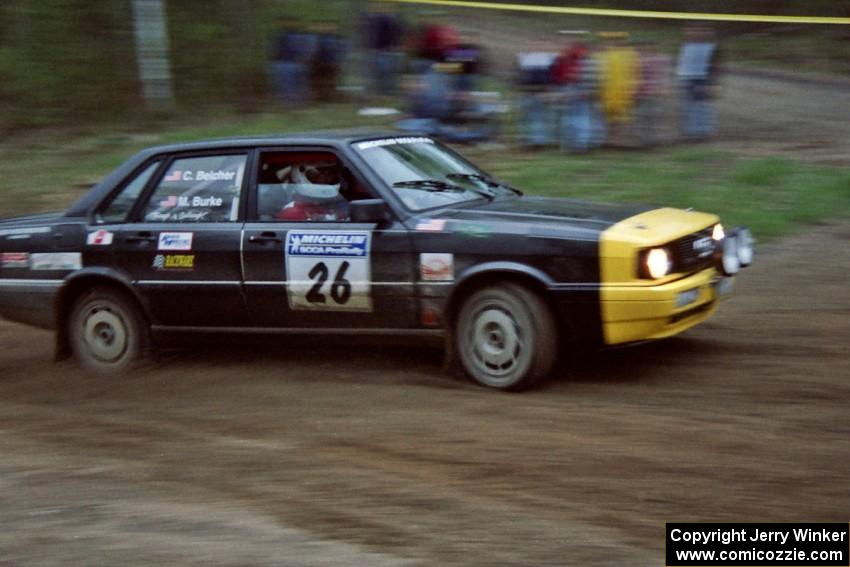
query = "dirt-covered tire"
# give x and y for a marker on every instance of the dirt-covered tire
(107, 332)
(505, 337)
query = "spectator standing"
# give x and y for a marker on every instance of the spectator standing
(590, 89)
(470, 60)
(429, 44)
(569, 73)
(441, 101)
(619, 69)
(384, 34)
(534, 78)
(697, 71)
(293, 51)
(429, 103)
(326, 64)
(654, 68)
(436, 40)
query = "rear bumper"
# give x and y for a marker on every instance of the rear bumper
(29, 301)
(639, 313)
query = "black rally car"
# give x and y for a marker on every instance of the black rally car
(356, 234)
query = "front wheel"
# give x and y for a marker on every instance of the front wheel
(506, 338)
(106, 331)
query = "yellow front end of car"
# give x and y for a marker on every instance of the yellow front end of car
(650, 290)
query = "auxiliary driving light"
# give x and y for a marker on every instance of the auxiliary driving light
(730, 262)
(745, 246)
(658, 263)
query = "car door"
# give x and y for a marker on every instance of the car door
(317, 269)
(182, 249)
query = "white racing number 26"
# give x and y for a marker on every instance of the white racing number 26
(328, 270)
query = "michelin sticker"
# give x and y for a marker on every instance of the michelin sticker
(328, 270)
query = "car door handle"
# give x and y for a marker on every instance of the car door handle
(141, 238)
(264, 237)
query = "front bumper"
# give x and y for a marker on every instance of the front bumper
(639, 313)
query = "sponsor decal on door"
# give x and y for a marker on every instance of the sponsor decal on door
(181, 262)
(178, 241)
(328, 270)
(436, 266)
(100, 237)
(14, 260)
(56, 261)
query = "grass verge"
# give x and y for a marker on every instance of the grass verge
(774, 196)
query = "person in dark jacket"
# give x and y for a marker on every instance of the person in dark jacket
(327, 62)
(293, 51)
(383, 38)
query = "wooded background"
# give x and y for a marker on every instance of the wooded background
(65, 61)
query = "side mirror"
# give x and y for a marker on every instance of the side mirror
(368, 210)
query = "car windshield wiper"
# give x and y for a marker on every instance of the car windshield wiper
(433, 185)
(484, 179)
(436, 185)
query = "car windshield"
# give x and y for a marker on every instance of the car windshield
(425, 175)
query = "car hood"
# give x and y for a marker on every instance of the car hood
(544, 216)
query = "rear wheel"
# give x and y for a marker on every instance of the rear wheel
(506, 337)
(106, 331)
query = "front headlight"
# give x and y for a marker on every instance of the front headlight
(717, 233)
(657, 263)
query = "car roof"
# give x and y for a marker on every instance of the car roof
(326, 137)
(335, 138)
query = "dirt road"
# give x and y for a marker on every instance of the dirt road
(333, 455)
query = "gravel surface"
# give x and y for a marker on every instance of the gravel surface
(336, 454)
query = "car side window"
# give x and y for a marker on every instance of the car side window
(117, 209)
(311, 186)
(198, 189)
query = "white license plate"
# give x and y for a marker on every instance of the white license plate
(687, 297)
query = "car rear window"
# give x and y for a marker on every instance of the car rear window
(198, 189)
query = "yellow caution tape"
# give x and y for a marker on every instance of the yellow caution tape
(634, 13)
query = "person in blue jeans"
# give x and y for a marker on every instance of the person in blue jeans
(327, 62)
(383, 37)
(575, 72)
(429, 104)
(537, 115)
(293, 52)
(697, 70)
